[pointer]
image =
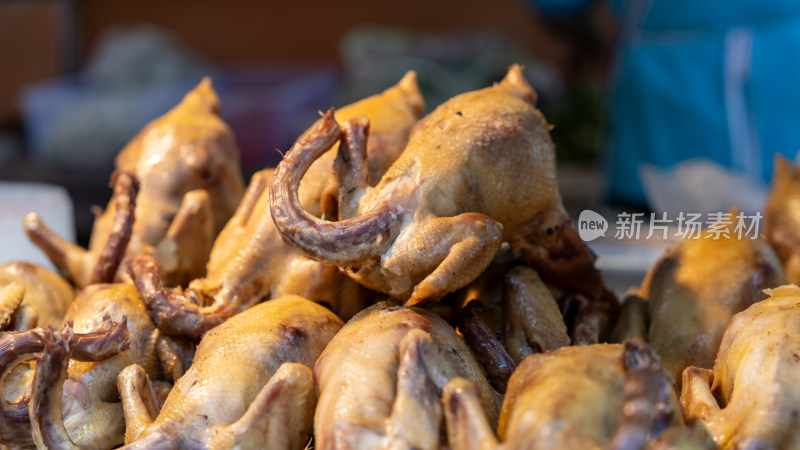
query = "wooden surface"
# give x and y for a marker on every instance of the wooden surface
(30, 48)
(293, 31)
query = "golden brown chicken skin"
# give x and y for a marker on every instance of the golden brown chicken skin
(187, 164)
(586, 397)
(250, 385)
(782, 217)
(42, 296)
(691, 293)
(380, 380)
(752, 397)
(477, 171)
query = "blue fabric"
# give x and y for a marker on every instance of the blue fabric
(668, 106)
(668, 100)
(705, 15)
(775, 90)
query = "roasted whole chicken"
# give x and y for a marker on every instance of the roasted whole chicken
(32, 296)
(250, 262)
(90, 407)
(477, 171)
(690, 294)
(381, 376)
(584, 397)
(250, 385)
(782, 217)
(752, 397)
(187, 164)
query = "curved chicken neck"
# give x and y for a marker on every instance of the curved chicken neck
(250, 384)
(392, 114)
(380, 380)
(478, 170)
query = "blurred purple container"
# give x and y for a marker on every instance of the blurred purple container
(269, 107)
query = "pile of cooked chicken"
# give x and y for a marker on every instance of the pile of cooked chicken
(399, 282)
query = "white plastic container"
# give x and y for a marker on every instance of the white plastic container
(17, 199)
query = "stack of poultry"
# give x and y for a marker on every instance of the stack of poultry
(207, 315)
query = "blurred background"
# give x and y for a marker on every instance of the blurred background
(656, 105)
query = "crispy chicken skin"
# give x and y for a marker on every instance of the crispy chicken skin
(40, 299)
(187, 164)
(250, 385)
(477, 171)
(692, 292)
(587, 397)
(92, 413)
(752, 397)
(380, 380)
(782, 217)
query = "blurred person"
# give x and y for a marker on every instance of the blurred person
(696, 78)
